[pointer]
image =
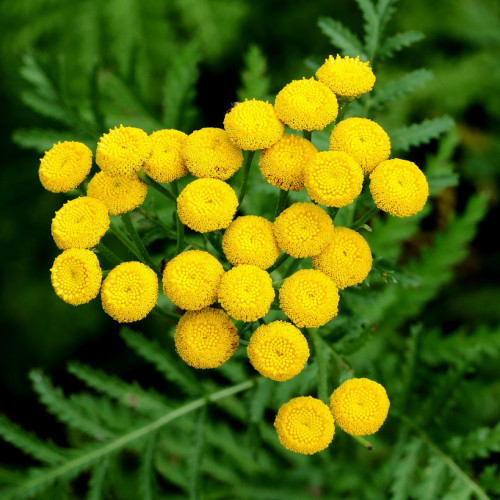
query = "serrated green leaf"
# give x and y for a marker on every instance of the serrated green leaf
(42, 140)
(147, 480)
(371, 26)
(432, 480)
(341, 37)
(97, 481)
(399, 41)
(196, 455)
(255, 82)
(404, 473)
(263, 390)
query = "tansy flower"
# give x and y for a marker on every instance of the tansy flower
(363, 139)
(123, 150)
(333, 178)
(359, 406)
(303, 230)
(306, 105)
(207, 205)
(129, 292)
(191, 280)
(278, 350)
(345, 76)
(80, 223)
(209, 152)
(253, 125)
(250, 240)
(76, 276)
(347, 260)
(399, 187)
(120, 194)
(246, 292)
(166, 163)
(309, 298)
(65, 166)
(206, 338)
(304, 425)
(283, 163)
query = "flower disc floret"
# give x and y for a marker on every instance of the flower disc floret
(209, 152)
(306, 105)
(80, 223)
(305, 425)
(76, 276)
(278, 350)
(399, 188)
(206, 338)
(333, 179)
(303, 230)
(309, 298)
(65, 166)
(359, 406)
(250, 240)
(366, 141)
(253, 125)
(207, 205)
(129, 292)
(192, 279)
(347, 260)
(345, 76)
(283, 164)
(246, 292)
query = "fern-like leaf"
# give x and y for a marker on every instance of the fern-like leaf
(255, 82)
(431, 483)
(263, 390)
(404, 472)
(42, 140)
(371, 25)
(341, 37)
(147, 479)
(399, 41)
(196, 455)
(97, 482)
(479, 443)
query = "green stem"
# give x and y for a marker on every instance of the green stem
(278, 263)
(307, 134)
(246, 169)
(157, 186)
(363, 442)
(156, 220)
(332, 212)
(126, 242)
(341, 361)
(291, 268)
(365, 218)
(215, 241)
(342, 111)
(322, 372)
(132, 231)
(280, 206)
(243, 342)
(166, 313)
(179, 224)
(108, 254)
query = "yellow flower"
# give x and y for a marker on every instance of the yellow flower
(253, 125)
(305, 425)
(309, 298)
(80, 223)
(166, 163)
(76, 276)
(347, 260)
(65, 166)
(283, 163)
(246, 292)
(303, 230)
(278, 350)
(363, 139)
(129, 292)
(250, 240)
(359, 406)
(120, 194)
(191, 280)
(306, 105)
(206, 338)
(333, 179)
(209, 152)
(123, 150)
(345, 76)
(399, 187)
(207, 205)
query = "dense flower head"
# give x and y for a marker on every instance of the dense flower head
(309, 298)
(207, 205)
(399, 187)
(65, 166)
(166, 163)
(250, 240)
(129, 292)
(306, 105)
(80, 223)
(305, 425)
(345, 76)
(278, 350)
(209, 152)
(283, 163)
(347, 260)
(76, 276)
(206, 338)
(246, 292)
(333, 179)
(120, 194)
(363, 139)
(253, 125)
(303, 230)
(192, 279)
(359, 406)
